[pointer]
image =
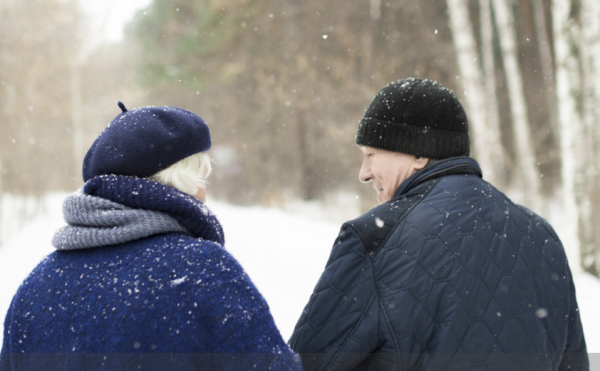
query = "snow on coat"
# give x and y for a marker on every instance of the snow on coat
(174, 300)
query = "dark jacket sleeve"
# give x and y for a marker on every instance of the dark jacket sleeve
(575, 356)
(338, 327)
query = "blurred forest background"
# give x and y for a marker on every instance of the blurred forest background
(282, 85)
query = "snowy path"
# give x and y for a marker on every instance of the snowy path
(283, 253)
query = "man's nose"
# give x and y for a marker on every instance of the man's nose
(365, 175)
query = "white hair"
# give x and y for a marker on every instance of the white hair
(187, 175)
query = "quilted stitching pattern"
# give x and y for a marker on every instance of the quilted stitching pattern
(466, 280)
(343, 300)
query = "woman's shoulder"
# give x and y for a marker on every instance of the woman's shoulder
(195, 252)
(152, 270)
(183, 263)
(167, 259)
(180, 287)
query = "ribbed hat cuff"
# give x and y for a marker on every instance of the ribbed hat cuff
(418, 141)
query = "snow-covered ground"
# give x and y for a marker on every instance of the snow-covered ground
(284, 253)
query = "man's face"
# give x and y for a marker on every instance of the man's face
(387, 170)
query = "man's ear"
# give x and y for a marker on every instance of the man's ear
(420, 163)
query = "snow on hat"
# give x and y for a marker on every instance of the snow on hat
(144, 141)
(418, 117)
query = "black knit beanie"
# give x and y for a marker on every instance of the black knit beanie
(417, 117)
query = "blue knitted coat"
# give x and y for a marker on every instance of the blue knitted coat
(448, 275)
(170, 301)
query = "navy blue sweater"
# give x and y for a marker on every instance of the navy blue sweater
(448, 275)
(171, 301)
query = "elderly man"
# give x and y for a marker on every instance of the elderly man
(447, 273)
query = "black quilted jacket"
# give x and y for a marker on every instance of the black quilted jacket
(449, 275)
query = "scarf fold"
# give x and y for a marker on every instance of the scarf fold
(115, 209)
(95, 222)
(147, 194)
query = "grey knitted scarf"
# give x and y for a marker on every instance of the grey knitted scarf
(94, 222)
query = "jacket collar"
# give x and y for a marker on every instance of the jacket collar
(143, 193)
(449, 166)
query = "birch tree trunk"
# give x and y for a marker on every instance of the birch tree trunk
(572, 130)
(366, 40)
(77, 61)
(546, 58)
(487, 146)
(489, 81)
(526, 159)
(375, 11)
(76, 117)
(590, 62)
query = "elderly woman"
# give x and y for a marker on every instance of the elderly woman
(140, 278)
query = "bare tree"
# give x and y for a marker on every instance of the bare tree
(590, 63)
(36, 45)
(487, 138)
(3, 88)
(76, 114)
(572, 129)
(375, 10)
(546, 60)
(302, 74)
(8, 97)
(525, 159)
(78, 61)
(492, 115)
